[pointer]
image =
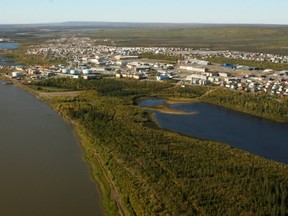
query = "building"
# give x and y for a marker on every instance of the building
(16, 74)
(229, 66)
(194, 69)
(120, 57)
(199, 62)
(89, 77)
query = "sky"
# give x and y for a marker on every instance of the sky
(166, 11)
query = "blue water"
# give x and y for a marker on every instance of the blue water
(9, 46)
(5, 61)
(261, 137)
(151, 102)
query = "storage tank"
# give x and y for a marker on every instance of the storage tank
(66, 71)
(74, 72)
(87, 71)
(16, 74)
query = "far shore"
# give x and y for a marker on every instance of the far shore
(165, 108)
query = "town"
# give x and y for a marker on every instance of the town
(88, 60)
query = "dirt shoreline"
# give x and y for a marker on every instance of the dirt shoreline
(165, 108)
(58, 94)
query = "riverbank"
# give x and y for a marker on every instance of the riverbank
(109, 194)
(159, 172)
(265, 106)
(133, 155)
(43, 161)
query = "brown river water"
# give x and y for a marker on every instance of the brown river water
(42, 171)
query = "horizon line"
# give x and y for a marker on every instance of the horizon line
(143, 22)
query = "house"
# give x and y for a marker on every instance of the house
(223, 74)
(120, 57)
(195, 69)
(122, 63)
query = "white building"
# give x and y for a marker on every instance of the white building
(191, 68)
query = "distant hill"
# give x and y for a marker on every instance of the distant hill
(240, 37)
(82, 24)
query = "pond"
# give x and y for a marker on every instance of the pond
(258, 136)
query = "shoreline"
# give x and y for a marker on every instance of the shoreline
(93, 158)
(165, 107)
(101, 182)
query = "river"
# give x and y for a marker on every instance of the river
(258, 136)
(41, 165)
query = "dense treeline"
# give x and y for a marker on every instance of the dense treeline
(256, 64)
(261, 105)
(163, 173)
(124, 87)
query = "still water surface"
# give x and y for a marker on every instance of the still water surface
(261, 137)
(9, 46)
(41, 167)
(5, 61)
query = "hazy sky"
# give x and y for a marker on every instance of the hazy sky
(175, 11)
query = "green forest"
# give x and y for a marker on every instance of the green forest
(159, 172)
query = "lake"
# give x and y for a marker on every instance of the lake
(41, 165)
(5, 61)
(261, 137)
(9, 46)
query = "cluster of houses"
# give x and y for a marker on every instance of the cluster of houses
(274, 83)
(87, 60)
(79, 51)
(263, 57)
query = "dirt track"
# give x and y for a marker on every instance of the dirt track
(58, 94)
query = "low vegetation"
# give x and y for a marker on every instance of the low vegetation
(5, 70)
(157, 172)
(21, 57)
(261, 105)
(161, 57)
(265, 39)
